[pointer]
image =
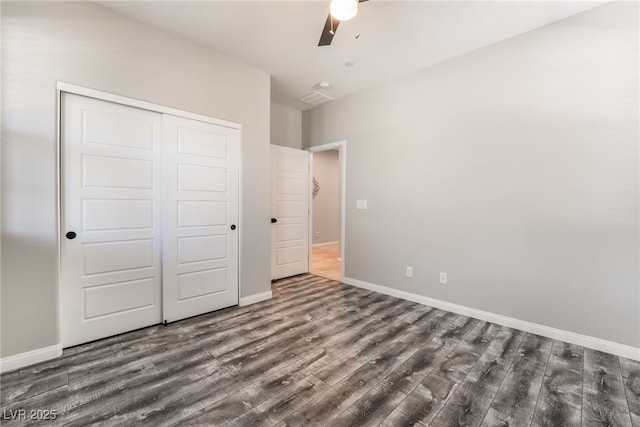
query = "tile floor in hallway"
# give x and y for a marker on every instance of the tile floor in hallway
(325, 261)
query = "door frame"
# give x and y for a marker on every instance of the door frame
(342, 148)
(63, 87)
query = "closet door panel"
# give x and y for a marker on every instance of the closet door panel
(110, 243)
(200, 206)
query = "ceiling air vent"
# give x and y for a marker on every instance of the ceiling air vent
(314, 98)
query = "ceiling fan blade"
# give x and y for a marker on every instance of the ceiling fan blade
(329, 30)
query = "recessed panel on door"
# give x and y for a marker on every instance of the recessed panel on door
(202, 248)
(199, 284)
(290, 255)
(291, 210)
(291, 186)
(291, 161)
(117, 172)
(120, 129)
(202, 143)
(202, 178)
(107, 300)
(290, 232)
(107, 257)
(197, 213)
(117, 214)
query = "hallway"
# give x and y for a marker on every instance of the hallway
(325, 261)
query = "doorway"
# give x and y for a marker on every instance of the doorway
(328, 210)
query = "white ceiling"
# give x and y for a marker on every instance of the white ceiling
(396, 37)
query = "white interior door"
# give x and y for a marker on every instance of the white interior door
(110, 223)
(201, 167)
(290, 210)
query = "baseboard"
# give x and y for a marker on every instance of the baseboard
(534, 328)
(317, 245)
(256, 298)
(21, 360)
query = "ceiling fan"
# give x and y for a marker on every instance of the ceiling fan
(339, 10)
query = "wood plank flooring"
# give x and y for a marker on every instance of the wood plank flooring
(321, 353)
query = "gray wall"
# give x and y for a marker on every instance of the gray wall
(87, 45)
(513, 168)
(326, 206)
(286, 126)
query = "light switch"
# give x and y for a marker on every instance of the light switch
(361, 204)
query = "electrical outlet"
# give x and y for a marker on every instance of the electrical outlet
(409, 271)
(443, 278)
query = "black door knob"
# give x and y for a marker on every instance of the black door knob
(71, 235)
(233, 226)
(274, 220)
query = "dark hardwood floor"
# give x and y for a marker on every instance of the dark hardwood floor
(321, 353)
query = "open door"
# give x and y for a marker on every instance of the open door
(289, 212)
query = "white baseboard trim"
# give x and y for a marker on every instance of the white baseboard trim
(253, 299)
(21, 360)
(534, 328)
(317, 245)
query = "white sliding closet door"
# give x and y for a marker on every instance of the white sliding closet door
(201, 162)
(110, 223)
(149, 218)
